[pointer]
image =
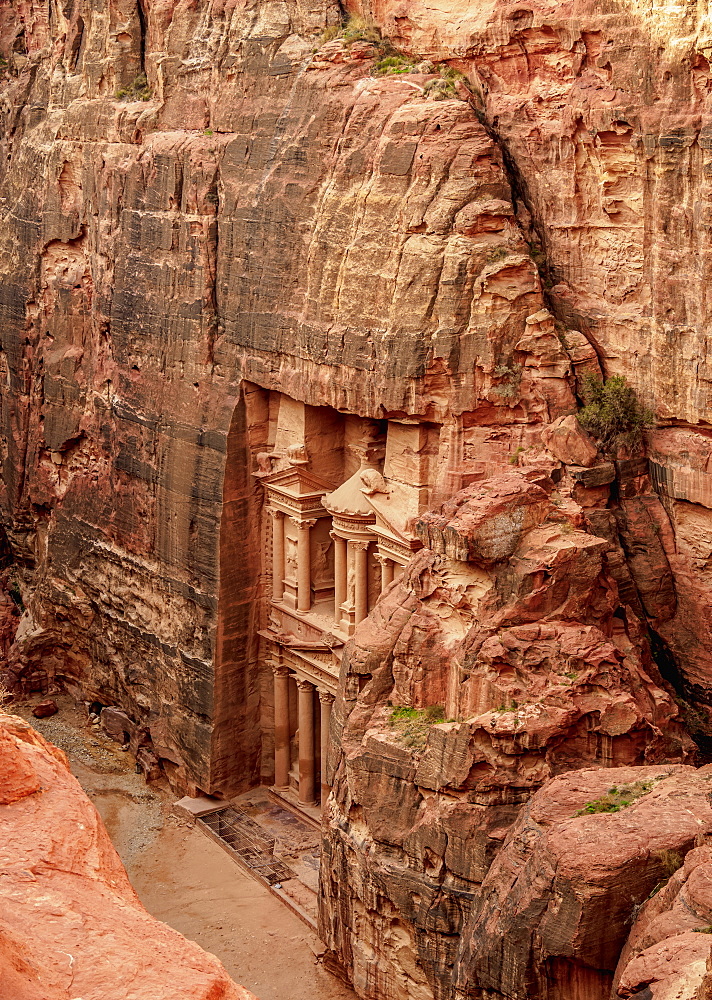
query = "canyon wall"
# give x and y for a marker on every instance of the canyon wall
(265, 215)
(206, 204)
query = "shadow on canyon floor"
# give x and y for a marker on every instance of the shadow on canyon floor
(183, 878)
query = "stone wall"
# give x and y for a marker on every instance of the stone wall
(269, 213)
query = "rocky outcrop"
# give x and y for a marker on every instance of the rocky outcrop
(555, 909)
(230, 201)
(538, 667)
(70, 922)
(215, 212)
(146, 283)
(667, 951)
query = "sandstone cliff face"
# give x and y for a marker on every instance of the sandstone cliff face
(258, 210)
(263, 215)
(70, 922)
(269, 213)
(512, 621)
(555, 908)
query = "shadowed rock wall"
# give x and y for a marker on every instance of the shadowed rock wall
(267, 212)
(262, 213)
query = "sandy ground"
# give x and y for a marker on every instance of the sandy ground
(186, 880)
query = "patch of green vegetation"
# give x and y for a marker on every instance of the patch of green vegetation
(16, 595)
(612, 413)
(439, 90)
(514, 459)
(536, 253)
(413, 724)
(138, 90)
(358, 29)
(445, 87)
(670, 861)
(617, 798)
(511, 376)
(703, 930)
(330, 33)
(512, 706)
(208, 131)
(499, 253)
(392, 65)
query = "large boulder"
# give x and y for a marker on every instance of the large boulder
(70, 923)
(568, 441)
(469, 686)
(668, 949)
(485, 522)
(589, 848)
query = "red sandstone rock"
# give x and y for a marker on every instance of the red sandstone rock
(274, 219)
(45, 709)
(117, 724)
(555, 908)
(18, 778)
(668, 948)
(539, 669)
(485, 523)
(70, 923)
(567, 439)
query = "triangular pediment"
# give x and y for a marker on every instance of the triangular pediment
(297, 481)
(395, 510)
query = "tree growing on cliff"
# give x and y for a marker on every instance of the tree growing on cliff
(613, 414)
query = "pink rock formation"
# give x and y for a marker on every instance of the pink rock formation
(70, 923)
(668, 948)
(554, 911)
(539, 669)
(229, 244)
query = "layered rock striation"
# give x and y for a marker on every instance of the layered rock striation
(511, 620)
(263, 213)
(233, 243)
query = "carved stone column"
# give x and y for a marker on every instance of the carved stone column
(306, 742)
(277, 554)
(360, 551)
(339, 575)
(281, 726)
(304, 565)
(326, 699)
(386, 571)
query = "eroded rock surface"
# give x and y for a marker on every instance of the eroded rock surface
(70, 922)
(667, 951)
(556, 906)
(539, 668)
(225, 244)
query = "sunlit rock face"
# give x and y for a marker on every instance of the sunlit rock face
(70, 922)
(539, 669)
(270, 214)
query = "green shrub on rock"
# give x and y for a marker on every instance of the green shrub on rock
(138, 90)
(612, 413)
